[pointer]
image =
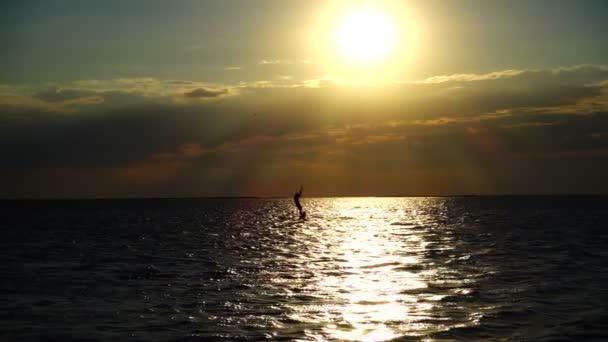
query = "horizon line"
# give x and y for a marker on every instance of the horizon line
(288, 197)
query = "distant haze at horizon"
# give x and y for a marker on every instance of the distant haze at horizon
(241, 98)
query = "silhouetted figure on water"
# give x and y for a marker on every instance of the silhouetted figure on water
(296, 199)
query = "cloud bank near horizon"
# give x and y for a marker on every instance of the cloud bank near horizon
(512, 131)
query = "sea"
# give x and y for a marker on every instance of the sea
(475, 268)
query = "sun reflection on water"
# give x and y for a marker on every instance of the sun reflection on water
(369, 267)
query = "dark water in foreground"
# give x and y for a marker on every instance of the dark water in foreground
(361, 269)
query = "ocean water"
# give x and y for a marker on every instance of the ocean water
(359, 269)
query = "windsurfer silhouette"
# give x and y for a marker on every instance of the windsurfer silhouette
(296, 199)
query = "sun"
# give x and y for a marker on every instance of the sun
(366, 36)
(365, 42)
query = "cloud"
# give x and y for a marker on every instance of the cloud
(180, 82)
(53, 100)
(569, 154)
(206, 93)
(159, 167)
(578, 73)
(472, 77)
(58, 94)
(271, 61)
(492, 132)
(284, 61)
(104, 95)
(599, 135)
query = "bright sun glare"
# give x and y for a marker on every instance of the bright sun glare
(366, 36)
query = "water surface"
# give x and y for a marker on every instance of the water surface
(359, 269)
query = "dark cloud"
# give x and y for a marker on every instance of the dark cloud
(205, 93)
(428, 138)
(108, 138)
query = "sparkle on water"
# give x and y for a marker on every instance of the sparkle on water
(359, 269)
(367, 268)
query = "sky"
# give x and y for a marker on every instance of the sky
(255, 97)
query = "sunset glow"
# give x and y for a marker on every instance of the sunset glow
(349, 97)
(304, 170)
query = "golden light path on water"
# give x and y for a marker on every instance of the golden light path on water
(368, 278)
(359, 269)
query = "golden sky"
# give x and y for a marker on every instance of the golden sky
(254, 98)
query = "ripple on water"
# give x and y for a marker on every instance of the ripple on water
(357, 269)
